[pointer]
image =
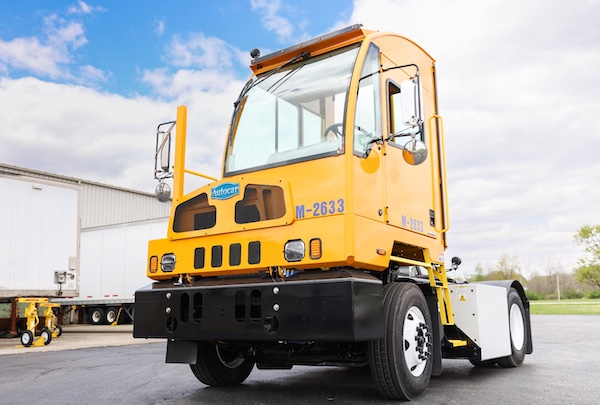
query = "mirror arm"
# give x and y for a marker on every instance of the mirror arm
(370, 144)
(401, 67)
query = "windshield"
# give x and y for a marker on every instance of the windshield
(292, 115)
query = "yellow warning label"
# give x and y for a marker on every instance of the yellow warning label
(462, 297)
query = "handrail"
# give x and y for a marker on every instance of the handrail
(442, 171)
(200, 175)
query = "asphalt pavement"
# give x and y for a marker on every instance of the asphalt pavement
(78, 337)
(563, 369)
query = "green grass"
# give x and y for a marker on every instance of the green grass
(566, 307)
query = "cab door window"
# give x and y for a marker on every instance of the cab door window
(367, 121)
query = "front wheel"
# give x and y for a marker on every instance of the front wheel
(401, 362)
(518, 328)
(219, 367)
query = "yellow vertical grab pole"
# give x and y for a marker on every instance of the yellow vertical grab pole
(179, 164)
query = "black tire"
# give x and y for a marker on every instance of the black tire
(519, 330)
(46, 335)
(220, 367)
(401, 362)
(26, 338)
(483, 364)
(111, 315)
(96, 316)
(59, 330)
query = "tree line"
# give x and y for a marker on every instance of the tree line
(555, 282)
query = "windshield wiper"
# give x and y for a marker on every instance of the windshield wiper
(250, 84)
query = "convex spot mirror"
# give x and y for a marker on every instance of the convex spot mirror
(162, 192)
(415, 152)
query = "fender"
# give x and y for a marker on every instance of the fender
(508, 284)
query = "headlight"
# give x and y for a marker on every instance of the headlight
(293, 251)
(167, 263)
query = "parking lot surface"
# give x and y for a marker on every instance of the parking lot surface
(561, 370)
(78, 337)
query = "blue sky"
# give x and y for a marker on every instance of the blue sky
(115, 41)
(84, 84)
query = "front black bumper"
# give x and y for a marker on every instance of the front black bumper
(339, 306)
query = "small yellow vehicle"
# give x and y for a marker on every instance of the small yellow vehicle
(324, 241)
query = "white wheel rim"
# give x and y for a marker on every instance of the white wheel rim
(25, 338)
(45, 336)
(96, 316)
(517, 327)
(111, 316)
(415, 341)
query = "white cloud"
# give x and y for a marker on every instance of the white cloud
(200, 51)
(160, 27)
(64, 34)
(272, 19)
(52, 55)
(77, 131)
(84, 8)
(29, 54)
(91, 76)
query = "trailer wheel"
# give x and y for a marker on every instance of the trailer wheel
(96, 316)
(58, 330)
(518, 331)
(220, 367)
(401, 362)
(111, 315)
(26, 338)
(46, 335)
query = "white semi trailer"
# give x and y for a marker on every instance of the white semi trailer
(39, 243)
(112, 261)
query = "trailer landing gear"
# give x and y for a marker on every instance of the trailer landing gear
(31, 313)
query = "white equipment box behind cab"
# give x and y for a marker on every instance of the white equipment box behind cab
(481, 311)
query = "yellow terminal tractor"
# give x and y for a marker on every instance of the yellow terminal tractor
(323, 244)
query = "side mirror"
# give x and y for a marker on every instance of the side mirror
(162, 155)
(165, 153)
(415, 152)
(162, 161)
(410, 102)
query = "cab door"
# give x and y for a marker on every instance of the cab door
(411, 191)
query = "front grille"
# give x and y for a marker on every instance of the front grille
(217, 256)
(235, 255)
(199, 254)
(254, 252)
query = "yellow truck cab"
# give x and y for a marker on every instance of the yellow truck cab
(333, 193)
